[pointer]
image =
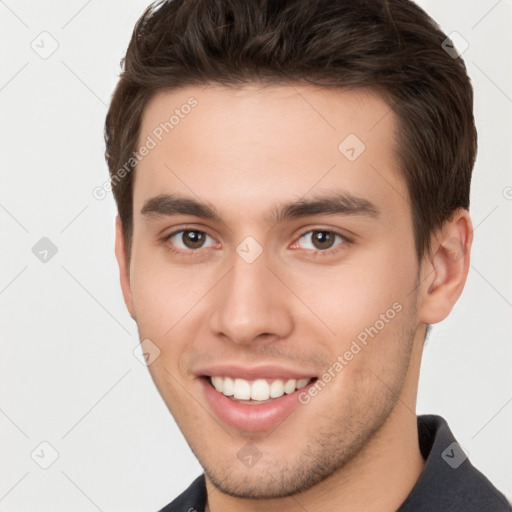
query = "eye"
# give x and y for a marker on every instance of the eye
(189, 239)
(321, 240)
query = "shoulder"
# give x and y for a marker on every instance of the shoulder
(449, 481)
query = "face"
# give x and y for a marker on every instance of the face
(272, 251)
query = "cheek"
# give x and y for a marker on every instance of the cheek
(164, 295)
(353, 295)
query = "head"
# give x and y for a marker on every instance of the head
(292, 181)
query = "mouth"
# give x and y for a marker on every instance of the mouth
(255, 404)
(257, 391)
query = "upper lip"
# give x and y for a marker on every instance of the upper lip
(252, 372)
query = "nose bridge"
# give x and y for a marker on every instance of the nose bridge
(249, 301)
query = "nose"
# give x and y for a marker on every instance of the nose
(251, 303)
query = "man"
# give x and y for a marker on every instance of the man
(292, 180)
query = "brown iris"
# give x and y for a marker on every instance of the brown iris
(193, 239)
(323, 239)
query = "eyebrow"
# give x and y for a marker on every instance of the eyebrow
(166, 205)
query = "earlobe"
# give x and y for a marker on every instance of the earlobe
(124, 269)
(445, 271)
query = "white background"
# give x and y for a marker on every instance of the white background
(68, 373)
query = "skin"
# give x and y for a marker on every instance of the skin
(246, 152)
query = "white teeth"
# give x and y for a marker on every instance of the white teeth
(229, 386)
(289, 387)
(300, 383)
(258, 390)
(242, 390)
(218, 383)
(276, 389)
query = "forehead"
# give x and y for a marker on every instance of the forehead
(253, 146)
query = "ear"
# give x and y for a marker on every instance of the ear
(124, 268)
(445, 269)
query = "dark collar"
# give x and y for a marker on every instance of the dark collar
(449, 482)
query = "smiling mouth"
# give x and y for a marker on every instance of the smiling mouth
(258, 391)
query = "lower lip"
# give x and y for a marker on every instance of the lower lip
(251, 417)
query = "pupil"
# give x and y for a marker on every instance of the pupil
(323, 239)
(193, 239)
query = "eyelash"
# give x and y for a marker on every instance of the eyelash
(316, 253)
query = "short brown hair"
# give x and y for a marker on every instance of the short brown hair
(391, 46)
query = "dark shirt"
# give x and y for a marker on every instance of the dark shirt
(448, 482)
